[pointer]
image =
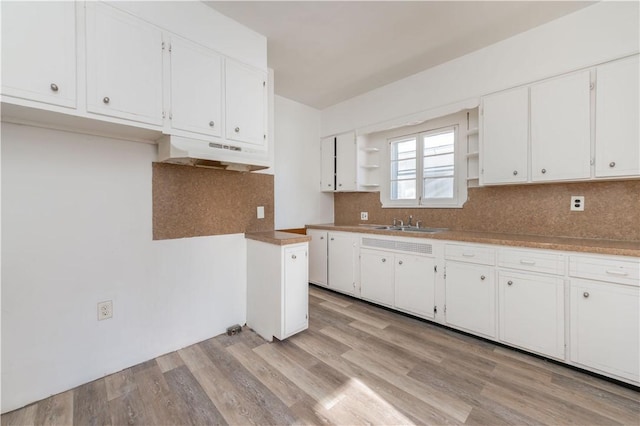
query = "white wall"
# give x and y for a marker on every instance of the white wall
(76, 230)
(298, 200)
(595, 34)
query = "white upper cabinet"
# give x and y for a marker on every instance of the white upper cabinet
(339, 168)
(617, 135)
(505, 137)
(124, 65)
(196, 88)
(561, 128)
(39, 51)
(246, 102)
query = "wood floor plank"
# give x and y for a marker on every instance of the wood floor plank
(128, 409)
(90, 404)
(253, 388)
(169, 361)
(22, 416)
(453, 407)
(279, 384)
(119, 383)
(357, 316)
(161, 405)
(57, 410)
(199, 407)
(329, 296)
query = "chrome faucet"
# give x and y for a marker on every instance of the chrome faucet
(395, 222)
(418, 222)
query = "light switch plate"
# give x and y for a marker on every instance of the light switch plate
(260, 212)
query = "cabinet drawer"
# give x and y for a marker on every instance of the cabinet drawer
(602, 269)
(531, 261)
(470, 254)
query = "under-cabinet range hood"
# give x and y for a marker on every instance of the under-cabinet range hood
(180, 150)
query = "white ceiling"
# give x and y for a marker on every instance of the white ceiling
(324, 52)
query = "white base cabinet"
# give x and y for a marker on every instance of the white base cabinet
(343, 262)
(277, 289)
(377, 276)
(318, 266)
(415, 285)
(532, 312)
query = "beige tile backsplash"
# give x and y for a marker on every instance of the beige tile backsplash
(612, 210)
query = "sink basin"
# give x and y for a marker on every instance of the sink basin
(411, 229)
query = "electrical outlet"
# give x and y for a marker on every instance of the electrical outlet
(105, 310)
(364, 215)
(260, 212)
(577, 203)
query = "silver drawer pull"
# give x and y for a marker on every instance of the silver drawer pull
(618, 273)
(585, 294)
(293, 256)
(54, 87)
(322, 238)
(384, 260)
(106, 100)
(400, 262)
(467, 254)
(482, 277)
(509, 282)
(612, 164)
(527, 262)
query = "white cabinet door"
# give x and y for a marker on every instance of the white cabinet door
(346, 162)
(39, 51)
(415, 285)
(617, 125)
(505, 136)
(376, 276)
(196, 88)
(561, 129)
(328, 164)
(246, 104)
(296, 291)
(532, 312)
(470, 296)
(342, 262)
(124, 65)
(318, 257)
(605, 327)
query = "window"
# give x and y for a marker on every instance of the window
(424, 170)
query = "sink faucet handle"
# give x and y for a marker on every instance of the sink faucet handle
(410, 220)
(395, 221)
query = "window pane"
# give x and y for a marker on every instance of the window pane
(403, 149)
(438, 143)
(438, 188)
(405, 169)
(403, 190)
(440, 165)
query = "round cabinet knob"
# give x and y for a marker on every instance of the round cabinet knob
(332, 238)
(384, 260)
(237, 129)
(585, 294)
(54, 87)
(515, 172)
(212, 123)
(339, 184)
(543, 171)
(400, 262)
(322, 238)
(612, 164)
(509, 282)
(293, 256)
(106, 99)
(482, 277)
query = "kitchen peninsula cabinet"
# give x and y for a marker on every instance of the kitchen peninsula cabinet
(617, 150)
(124, 65)
(39, 52)
(196, 88)
(277, 284)
(318, 247)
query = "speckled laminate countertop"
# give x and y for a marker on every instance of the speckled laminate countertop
(613, 247)
(278, 238)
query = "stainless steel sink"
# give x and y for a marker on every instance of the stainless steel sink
(411, 229)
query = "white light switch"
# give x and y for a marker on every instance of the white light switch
(260, 212)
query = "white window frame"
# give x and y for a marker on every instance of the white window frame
(454, 121)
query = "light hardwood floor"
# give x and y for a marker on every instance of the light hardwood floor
(357, 364)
